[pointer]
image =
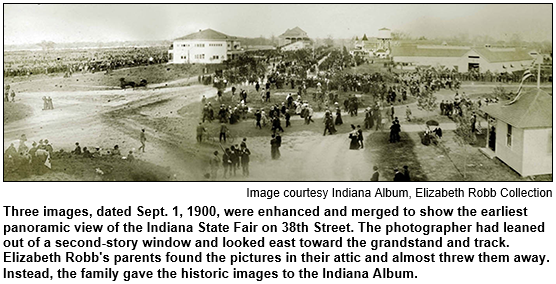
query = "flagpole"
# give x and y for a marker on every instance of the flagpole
(539, 76)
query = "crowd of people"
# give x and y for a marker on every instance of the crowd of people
(233, 158)
(38, 159)
(27, 161)
(25, 63)
(7, 94)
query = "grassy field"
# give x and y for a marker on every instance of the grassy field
(16, 111)
(67, 167)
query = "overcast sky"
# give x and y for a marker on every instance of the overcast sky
(102, 22)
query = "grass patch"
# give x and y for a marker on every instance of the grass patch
(68, 167)
(16, 111)
(389, 156)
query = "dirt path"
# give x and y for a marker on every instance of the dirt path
(90, 118)
(307, 156)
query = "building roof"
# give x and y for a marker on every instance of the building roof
(207, 34)
(421, 51)
(295, 32)
(503, 55)
(532, 110)
(491, 55)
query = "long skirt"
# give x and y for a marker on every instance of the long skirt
(338, 120)
(275, 152)
(354, 144)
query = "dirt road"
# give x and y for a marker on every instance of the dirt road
(88, 117)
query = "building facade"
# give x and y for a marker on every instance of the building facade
(463, 58)
(204, 47)
(293, 36)
(520, 134)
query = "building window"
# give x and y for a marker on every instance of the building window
(199, 56)
(183, 57)
(215, 57)
(509, 136)
(200, 45)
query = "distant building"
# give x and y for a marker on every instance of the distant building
(206, 47)
(520, 134)
(463, 58)
(295, 36)
(384, 38)
(379, 46)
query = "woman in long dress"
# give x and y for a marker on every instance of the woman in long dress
(338, 116)
(274, 148)
(354, 137)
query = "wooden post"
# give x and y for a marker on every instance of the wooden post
(539, 74)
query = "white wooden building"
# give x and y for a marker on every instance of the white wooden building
(205, 47)
(522, 136)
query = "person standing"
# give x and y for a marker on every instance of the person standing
(406, 173)
(77, 150)
(288, 116)
(44, 104)
(214, 164)
(360, 136)
(376, 174)
(223, 131)
(338, 120)
(274, 151)
(353, 136)
(398, 176)
(142, 139)
(258, 117)
(245, 153)
(13, 96)
(408, 113)
(49, 100)
(200, 130)
(226, 161)
(234, 157)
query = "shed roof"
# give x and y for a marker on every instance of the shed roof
(532, 110)
(492, 55)
(209, 34)
(417, 51)
(501, 55)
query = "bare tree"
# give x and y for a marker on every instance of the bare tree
(47, 45)
(399, 35)
(329, 41)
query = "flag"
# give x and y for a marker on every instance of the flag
(527, 74)
(47, 162)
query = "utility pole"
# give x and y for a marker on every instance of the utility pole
(539, 62)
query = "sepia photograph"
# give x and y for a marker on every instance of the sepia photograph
(278, 92)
